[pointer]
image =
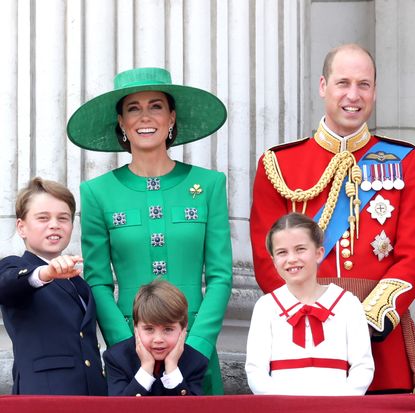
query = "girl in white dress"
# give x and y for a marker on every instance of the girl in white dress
(306, 338)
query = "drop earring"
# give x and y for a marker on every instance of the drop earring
(124, 136)
(171, 132)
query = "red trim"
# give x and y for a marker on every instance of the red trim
(309, 362)
(334, 303)
(337, 300)
(284, 311)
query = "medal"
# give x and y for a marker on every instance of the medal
(381, 246)
(365, 185)
(398, 183)
(376, 183)
(380, 209)
(387, 181)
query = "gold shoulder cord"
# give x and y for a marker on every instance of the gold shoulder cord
(342, 164)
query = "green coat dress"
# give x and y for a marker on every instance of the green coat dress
(175, 226)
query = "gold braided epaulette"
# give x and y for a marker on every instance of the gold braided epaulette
(380, 303)
(342, 164)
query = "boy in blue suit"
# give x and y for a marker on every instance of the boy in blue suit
(156, 361)
(48, 309)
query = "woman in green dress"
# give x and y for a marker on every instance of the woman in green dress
(155, 217)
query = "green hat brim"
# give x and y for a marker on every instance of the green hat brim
(198, 114)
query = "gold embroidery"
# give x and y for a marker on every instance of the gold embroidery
(333, 144)
(380, 303)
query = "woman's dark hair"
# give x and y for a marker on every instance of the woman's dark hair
(295, 220)
(127, 145)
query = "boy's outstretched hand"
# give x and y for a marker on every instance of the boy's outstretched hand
(63, 266)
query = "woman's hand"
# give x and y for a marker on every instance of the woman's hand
(147, 360)
(172, 359)
(63, 266)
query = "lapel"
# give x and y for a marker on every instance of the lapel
(69, 287)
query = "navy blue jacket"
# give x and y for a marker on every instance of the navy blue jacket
(122, 363)
(54, 336)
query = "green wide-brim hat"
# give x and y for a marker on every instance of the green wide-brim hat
(198, 112)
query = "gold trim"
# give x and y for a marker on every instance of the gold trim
(342, 165)
(333, 144)
(380, 303)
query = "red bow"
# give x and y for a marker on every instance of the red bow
(316, 317)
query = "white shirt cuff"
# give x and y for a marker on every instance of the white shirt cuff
(173, 379)
(144, 379)
(34, 279)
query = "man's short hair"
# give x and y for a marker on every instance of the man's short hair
(328, 61)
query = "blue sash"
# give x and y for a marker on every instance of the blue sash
(339, 221)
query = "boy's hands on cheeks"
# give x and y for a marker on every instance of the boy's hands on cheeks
(61, 267)
(173, 357)
(147, 360)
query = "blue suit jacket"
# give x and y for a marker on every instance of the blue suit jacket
(122, 363)
(54, 336)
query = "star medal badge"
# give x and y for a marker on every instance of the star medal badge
(380, 209)
(381, 246)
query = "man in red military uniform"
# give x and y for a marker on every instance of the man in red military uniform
(361, 190)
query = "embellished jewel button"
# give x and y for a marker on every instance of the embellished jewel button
(153, 184)
(346, 234)
(344, 242)
(190, 213)
(119, 218)
(159, 267)
(346, 253)
(156, 212)
(348, 265)
(157, 240)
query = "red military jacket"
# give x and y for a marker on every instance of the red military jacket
(384, 252)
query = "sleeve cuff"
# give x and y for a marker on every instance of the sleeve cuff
(173, 379)
(144, 379)
(381, 302)
(34, 279)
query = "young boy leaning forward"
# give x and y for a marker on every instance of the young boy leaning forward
(48, 310)
(156, 361)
